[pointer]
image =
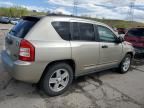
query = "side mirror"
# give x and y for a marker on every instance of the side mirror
(120, 39)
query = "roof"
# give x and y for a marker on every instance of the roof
(62, 16)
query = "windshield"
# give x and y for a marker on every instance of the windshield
(137, 32)
(22, 28)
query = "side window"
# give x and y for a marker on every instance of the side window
(63, 29)
(83, 31)
(137, 32)
(105, 34)
(87, 32)
(75, 31)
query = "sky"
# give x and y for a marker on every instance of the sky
(108, 9)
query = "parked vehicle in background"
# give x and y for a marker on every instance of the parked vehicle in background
(53, 50)
(14, 20)
(5, 20)
(136, 37)
(121, 30)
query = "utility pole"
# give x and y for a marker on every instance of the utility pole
(130, 14)
(75, 3)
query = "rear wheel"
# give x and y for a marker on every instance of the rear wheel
(125, 64)
(57, 79)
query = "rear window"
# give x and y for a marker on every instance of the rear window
(137, 32)
(22, 28)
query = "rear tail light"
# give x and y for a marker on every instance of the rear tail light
(26, 51)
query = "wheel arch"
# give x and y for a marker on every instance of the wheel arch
(70, 62)
(131, 53)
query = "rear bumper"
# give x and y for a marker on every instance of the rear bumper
(21, 70)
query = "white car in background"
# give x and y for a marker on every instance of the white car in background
(14, 21)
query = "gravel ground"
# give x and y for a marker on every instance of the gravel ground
(4, 28)
(106, 89)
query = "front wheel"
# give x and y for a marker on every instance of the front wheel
(57, 79)
(125, 64)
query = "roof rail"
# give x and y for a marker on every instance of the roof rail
(53, 14)
(63, 15)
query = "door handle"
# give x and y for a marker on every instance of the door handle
(104, 46)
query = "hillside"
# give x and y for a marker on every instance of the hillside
(116, 23)
(121, 23)
(19, 11)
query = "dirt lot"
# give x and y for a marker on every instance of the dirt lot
(106, 89)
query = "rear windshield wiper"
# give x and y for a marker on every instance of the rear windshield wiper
(12, 31)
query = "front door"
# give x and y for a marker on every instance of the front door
(110, 50)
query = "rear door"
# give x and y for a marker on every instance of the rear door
(85, 48)
(16, 34)
(110, 51)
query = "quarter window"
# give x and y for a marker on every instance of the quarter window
(63, 29)
(105, 34)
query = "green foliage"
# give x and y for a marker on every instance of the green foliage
(116, 23)
(31, 13)
(18, 12)
(13, 11)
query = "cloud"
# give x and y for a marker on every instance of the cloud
(61, 2)
(6, 4)
(39, 9)
(29, 7)
(43, 9)
(61, 10)
(113, 9)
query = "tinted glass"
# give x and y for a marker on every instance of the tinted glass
(121, 30)
(83, 31)
(86, 31)
(105, 34)
(22, 28)
(63, 29)
(138, 32)
(75, 31)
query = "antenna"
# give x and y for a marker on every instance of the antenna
(75, 3)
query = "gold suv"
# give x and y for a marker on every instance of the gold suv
(52, 50)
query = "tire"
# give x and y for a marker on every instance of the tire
(57, 79)
(124, 67)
